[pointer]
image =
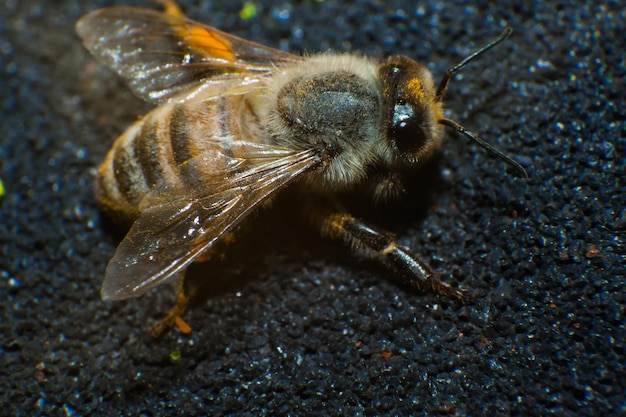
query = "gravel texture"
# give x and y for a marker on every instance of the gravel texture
(289, 323)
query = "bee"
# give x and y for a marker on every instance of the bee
(236, 122)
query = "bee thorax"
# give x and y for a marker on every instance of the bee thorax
(329, 106)
(337, 111)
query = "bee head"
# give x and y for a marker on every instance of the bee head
(411, 110)
(414, 114)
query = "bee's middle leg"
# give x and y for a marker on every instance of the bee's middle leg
(377, 243)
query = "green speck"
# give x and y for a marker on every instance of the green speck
(175, 355)
(2, 191)
(248, 11)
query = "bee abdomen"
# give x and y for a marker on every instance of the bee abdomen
(180, 136)
(154, 153)
(140, 160)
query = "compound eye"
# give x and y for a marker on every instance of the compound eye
(405, 129)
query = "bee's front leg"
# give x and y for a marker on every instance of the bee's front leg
(375, 242)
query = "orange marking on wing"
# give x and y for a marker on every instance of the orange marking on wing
(201, 38)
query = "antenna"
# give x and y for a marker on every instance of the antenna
(485, 145)
(443, 86)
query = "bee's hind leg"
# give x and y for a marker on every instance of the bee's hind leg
(185, 292)
(174, 317)
(377, 243)
(170, 8)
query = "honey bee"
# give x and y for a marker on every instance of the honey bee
(236, 123)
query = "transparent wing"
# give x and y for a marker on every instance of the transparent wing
(173, 231)
(166, 56)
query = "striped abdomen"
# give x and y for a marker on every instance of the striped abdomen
(151, 153)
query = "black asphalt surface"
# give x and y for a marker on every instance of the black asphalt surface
(289, 323)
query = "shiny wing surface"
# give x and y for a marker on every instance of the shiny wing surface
(165, 56)
(175, 230)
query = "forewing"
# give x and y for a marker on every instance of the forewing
(173, 231)
(165, 56)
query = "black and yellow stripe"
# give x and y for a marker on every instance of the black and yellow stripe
(154, 153)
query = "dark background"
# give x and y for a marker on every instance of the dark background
(290, 323)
